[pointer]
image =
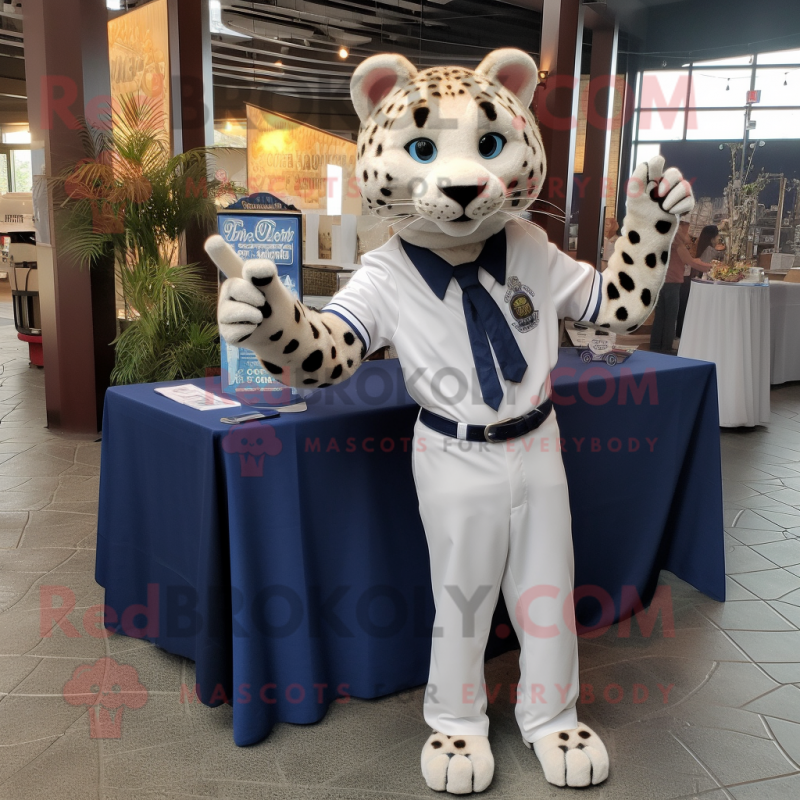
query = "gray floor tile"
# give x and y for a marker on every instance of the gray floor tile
(746, 615)
(784, 554)
(770, 584)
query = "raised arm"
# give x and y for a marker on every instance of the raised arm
(637, 269)
(296, 344)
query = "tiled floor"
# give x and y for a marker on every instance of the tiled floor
(730, 727)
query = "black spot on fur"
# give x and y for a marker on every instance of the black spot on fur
(262, 281)
(273, 368)
(266, 310)
(366, 176)
(634, 237)
(650, 260)
(421, 115)
(646, 296)
(459, 743)
(314, 331)
(276, 336)
(296, 314)
(563, 747)
(663, 226)
(436, 744)
(581, 745)
(380, 202)
(337, 371)
(525, 137)
(622, 314)
(246, 336)
(327, 328)
(626, 258)
(386, 192)
(291, 347)
(379, 150)
(489, 110)
(349, 338)
(349, 362)
(323, 385)
(632, 328)
(313, 362)
(584, 734)
(333, 352)
(612, 291)
(605, 325)
(563, 736)
(309, 381)
(626, 282)
(664, 256)
(363, 352)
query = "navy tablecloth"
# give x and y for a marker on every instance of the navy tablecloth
(288, 560)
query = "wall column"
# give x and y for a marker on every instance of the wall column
(67, 76)
(192, 98)
(598, 139)
(556, 107)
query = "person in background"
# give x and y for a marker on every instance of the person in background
(706, 251)
(667, 307)
(610, 236)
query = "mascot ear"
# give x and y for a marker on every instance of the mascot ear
(375, 77)
(515, 70)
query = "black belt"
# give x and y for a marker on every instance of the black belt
(501, 431)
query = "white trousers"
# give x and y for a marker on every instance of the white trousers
(497, 515)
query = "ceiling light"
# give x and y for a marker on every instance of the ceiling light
(279, 63)
(343, 52)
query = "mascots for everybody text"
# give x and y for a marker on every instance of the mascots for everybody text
(470, 296)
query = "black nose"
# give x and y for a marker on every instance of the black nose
(463, 195)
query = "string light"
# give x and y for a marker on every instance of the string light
(343, 52)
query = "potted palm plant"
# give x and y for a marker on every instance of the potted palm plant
(132, 200)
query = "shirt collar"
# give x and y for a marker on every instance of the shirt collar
(438, 273)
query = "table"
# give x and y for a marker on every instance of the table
(292, 566)
(729, 325)
(784, 332)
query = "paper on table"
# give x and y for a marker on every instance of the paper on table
(193, 396)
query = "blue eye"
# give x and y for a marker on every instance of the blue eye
(491, 144)
(422, 150)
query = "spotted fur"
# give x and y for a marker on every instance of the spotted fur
(457, 196)
(456, 200)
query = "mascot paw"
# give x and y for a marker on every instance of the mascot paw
(576, 757)
(457, 764)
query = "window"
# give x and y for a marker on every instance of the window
(707, 100)
(779, 57)
(727, 125)
(715, 88)
(16, 136)
(16, 174)
(779, 87)
(644, 152)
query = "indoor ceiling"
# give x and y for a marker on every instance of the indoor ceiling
(293, 46)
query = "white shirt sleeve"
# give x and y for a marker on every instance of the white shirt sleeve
(576, 287)
(369, 304)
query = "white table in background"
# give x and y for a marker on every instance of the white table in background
(784, 362)
(729, 325)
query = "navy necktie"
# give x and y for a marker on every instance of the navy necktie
(485, 324)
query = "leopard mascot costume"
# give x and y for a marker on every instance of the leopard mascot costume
(470, 296)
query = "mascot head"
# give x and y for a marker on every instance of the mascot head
(452, 149)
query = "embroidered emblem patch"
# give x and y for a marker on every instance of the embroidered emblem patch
(520, 302)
